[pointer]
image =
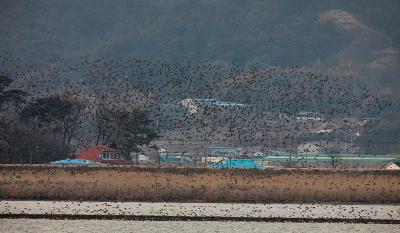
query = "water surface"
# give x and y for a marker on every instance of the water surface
(232, 210)
(98, 226)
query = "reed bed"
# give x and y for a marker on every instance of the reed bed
(177, 184)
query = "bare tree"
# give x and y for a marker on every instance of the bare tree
(104, 126)
(335, 159)
(59, 113)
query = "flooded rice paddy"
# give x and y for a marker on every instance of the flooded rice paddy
(99, 226)
(230, 210)
(75, 216)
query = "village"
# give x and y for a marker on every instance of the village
(322, 150)
(230, 157)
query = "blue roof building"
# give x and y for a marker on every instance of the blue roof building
(238, 163)
(76, 162)
(193, 105)
(217, 102)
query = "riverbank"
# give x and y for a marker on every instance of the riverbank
(174, 184)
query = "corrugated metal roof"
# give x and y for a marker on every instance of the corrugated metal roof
(218, 102)
(75, 161)
(93, 153)
(324, 158)
(238, 163)
(177, 159)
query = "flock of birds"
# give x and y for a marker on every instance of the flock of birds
(238, 211)
(274, 95)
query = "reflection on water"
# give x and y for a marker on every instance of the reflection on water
(97, 226)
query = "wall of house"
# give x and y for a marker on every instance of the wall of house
(392, 166)
(309, 149)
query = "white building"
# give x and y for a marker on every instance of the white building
(191, 106)
(213, 159)
(393, 166)
(143, 158)
(163, 152)
(309, 148)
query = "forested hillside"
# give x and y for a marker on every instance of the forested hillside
(339, 58)
(285, 32)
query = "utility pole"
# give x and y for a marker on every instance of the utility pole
(290, 151)
(30, 158)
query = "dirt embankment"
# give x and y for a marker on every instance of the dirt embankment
(197, 184)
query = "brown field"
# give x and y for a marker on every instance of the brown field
(197, 184)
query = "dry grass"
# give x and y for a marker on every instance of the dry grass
(196, 184)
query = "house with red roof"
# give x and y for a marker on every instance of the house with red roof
(102, 154)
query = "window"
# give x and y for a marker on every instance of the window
(110, 156)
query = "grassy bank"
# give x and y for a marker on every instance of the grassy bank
(197, 184)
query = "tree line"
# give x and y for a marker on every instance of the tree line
(48, 128)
